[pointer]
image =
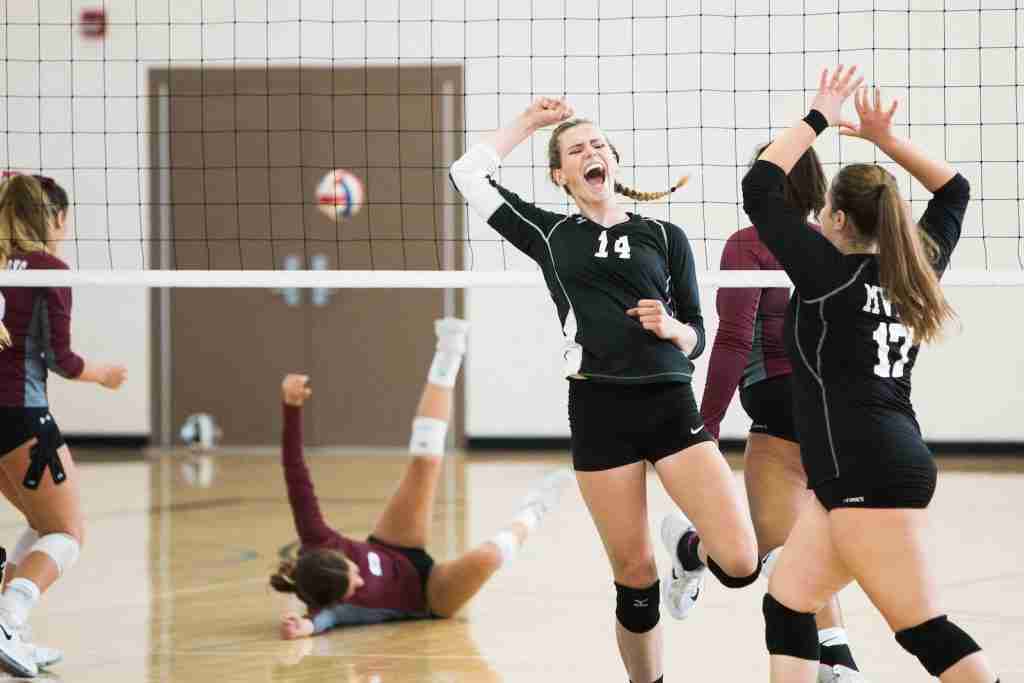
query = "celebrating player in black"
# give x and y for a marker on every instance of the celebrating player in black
(626, 294)
(867, 294)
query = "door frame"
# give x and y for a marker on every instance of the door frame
(454, 228)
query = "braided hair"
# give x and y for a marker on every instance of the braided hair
(555, 162)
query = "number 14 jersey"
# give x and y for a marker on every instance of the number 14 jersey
(594, 274)
(852, 356)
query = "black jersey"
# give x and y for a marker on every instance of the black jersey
(594, 274)
(852, 357)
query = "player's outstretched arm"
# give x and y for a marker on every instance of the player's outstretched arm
(875, 126)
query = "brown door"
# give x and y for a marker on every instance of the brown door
(245, 151)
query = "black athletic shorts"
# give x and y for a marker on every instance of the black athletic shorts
(618, 424)
(419, 557)
(769, 403)
(19, 425)
(886, 465)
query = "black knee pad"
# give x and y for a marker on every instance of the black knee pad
(790, 633)
(732, 581)
(938, 643)
(638, 609)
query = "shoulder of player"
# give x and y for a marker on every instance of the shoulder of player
(42, 260)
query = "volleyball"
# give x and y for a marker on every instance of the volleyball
(340, 194)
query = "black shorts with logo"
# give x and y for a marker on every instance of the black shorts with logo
(769, 403)
(419, 557)
(19, 425)
(618, 424)
(883, 463)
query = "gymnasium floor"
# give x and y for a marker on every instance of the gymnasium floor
(172, 582)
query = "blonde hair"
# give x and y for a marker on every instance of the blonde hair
(907, 255)
(25, 214)
(555, 162)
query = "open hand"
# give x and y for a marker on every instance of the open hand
(834, 90)
(875, 120)
(294, 626)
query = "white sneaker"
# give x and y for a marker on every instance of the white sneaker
(16, 656)
(683, 587)
(543, 497)
(46, 656)
(451, 334)
(839, 674)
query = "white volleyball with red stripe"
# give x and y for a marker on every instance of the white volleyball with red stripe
(340, 194)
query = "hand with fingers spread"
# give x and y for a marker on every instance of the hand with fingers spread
(652, 315)
(547, 111)
(834, 90)
(875, 120)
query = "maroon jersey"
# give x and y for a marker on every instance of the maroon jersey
(39, 320)
(749, 345)
(393, 588)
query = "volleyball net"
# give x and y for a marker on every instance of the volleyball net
(192, 140)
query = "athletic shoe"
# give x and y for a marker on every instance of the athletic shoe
(16, 656)
(46, 656)
(451, 334)
(543, 497)
(839, 674)
(683, 586)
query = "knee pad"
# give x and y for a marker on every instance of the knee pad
(638, 609)
(790, 633)
(62, 548)
(938, 643)
(732, 581)
(428, 435)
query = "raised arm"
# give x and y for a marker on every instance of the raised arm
(810, 260)
(309, 522)
(737, 311)
(520, 222)
(944, 216)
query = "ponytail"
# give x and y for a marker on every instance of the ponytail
(283, 581)
(25, 213)
(637, 195)
(906, 264)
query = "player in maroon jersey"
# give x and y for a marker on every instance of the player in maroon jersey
(390, 576)
(37, 474)
(749, 353)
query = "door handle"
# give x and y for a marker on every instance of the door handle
(291, 295)
(320, 295)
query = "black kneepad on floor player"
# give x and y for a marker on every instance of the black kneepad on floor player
(938, 643)
(790, 633)
(638, 609)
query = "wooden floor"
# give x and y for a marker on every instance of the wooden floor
(172, 583)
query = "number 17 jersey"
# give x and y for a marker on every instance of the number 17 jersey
(852, 356)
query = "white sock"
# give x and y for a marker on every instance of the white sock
(833, 636)
(18, 599)
(444, 369)
(508, 546)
